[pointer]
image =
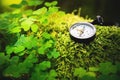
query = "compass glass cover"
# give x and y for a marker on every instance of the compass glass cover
(82, 30)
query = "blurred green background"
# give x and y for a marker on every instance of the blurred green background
(109, 9)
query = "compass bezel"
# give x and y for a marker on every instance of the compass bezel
(83, 39)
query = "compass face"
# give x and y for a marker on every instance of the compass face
(82, 30)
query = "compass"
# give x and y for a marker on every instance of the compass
(82, 31)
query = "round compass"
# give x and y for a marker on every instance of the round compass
(82, 31)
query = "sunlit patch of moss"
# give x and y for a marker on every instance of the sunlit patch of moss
(71, 19)
(60, 21)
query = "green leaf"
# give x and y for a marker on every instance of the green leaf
(17, 69)
(44, 20)
(4, 24)
(29, 13)
(34, 28)
(16, 30)
(49, 44)
(91, 74)
(24, 2)
(4, 59)
(80, 72)
(40, 11)
(53, 9)
(14, 60)
(49, 55)
(9, 49)
(18, 49)
(26, 24)
(35, 2)
(20, 41)
(45, 46)
(16, 5)
(52, 74)
(28, 42)
(21, 53)
(54, 3)
(44, 65)
(30, 60)
(11, 71)
(107, 68)
(41, 50)
(93, 69)
(23, 68)
(39, 75)
(55, 54)
(49, 4)
(46, 35)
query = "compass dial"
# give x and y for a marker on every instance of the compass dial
(82, 30)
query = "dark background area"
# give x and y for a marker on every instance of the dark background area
(108, 9)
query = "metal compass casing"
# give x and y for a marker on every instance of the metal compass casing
(82, 31)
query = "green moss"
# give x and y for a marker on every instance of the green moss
(105, 46)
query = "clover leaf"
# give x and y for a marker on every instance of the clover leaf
(80, 72)
(107, 68)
